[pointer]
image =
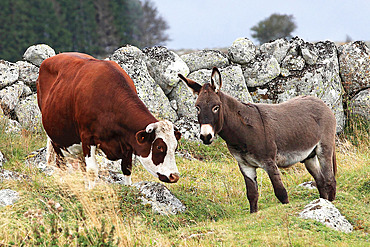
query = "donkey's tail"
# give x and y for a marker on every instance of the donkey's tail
(334, 162)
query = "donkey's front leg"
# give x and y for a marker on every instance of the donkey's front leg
(250, 178)
(272, 170)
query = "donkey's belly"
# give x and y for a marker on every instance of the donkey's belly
(285, 159)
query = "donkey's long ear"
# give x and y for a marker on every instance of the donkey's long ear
(192, 84)
(216, 79)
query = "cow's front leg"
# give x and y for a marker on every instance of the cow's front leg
(272, 170)
(250, 178)
(91, 165)
(126, 167)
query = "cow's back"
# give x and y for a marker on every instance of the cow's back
(73, 89)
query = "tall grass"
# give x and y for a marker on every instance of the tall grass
(59, 211)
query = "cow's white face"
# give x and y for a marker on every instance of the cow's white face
(161, 159)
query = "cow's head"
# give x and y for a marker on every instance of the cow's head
(159, 140)
(208, 105)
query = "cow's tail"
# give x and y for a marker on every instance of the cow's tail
(334, 162)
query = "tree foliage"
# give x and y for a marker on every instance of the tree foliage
(96, 27)
(274, 27)
(152, 26)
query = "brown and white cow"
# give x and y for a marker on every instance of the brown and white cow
(269, 136)
(91, 103)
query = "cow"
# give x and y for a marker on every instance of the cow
(88, 103)
(269, 136)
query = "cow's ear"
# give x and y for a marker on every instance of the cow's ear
(177, 135)
(143, 137)
(192, 84)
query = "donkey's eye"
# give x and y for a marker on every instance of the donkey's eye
(215, 108)
(198, 109)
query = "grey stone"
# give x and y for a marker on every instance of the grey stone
(37, 159)
(262, 70)
(164, 66)
(309, 53)
(28, 113)
(293, 62)
(8, 197)
(277, 48)
(189, 128)
(295, 46)
(132, 60)
(28, 73)
(9, 73)
(36, 54)
(308, 185)
(10, 96)
(325, 212)
(11, 126)
(205, 59)
(162, 200)
(242, 51)
(354, 60)
(359, 105)
(183, 100)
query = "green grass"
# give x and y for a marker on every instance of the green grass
(211, 187)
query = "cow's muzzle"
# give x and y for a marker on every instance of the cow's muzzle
(173, 178)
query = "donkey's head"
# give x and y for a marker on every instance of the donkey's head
(208, 105)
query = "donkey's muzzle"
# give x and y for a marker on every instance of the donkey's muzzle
(207, 139)
(206, 133)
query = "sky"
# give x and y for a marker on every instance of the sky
(206, 24)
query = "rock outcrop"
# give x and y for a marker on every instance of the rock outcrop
(325, 212)
(354, 59)
(8, 197)
(162, 200)
(271, 73)
(132, 60)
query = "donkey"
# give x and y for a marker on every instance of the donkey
(269, 136)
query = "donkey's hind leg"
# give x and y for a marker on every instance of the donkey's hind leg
(325, 158)
(313, 167)
(324, 176)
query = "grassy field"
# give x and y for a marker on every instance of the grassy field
(59, 211)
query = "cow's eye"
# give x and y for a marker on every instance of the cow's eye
(198, 109)
(216, 108)
(160, 148)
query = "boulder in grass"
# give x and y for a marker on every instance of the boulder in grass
(325, 212)
(8, 197)
(162, 200)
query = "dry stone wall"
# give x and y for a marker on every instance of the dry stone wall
(271, 73)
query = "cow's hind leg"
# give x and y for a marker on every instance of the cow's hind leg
(91, 165)
(54, 155)
(250, 178)
(272, 170)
